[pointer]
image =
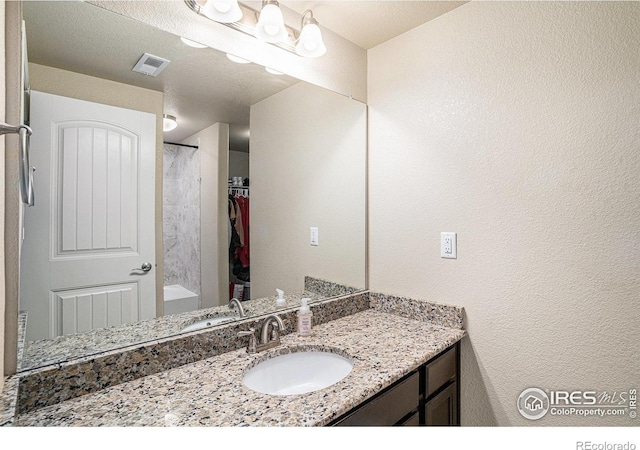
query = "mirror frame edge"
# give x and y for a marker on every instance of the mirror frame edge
(13, 206)
(14, 19)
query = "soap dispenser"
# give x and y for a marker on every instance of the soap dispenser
(280, 301)
(304, 318)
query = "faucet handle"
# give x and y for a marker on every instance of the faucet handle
(251, 348)
(275, 335)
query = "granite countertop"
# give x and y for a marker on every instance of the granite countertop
(383, 346)
(64, 348)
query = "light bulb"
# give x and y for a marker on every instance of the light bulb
(222, 7)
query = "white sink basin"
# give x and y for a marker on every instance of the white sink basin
(206, 323)
(297, 373)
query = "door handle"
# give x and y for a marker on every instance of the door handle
(145, 267)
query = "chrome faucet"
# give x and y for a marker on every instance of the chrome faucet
(235, 301)
(270, 339)
(269, 335)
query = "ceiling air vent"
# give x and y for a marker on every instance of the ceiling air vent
(150, 65)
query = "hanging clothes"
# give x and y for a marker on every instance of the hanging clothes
(234, 237)
(239, 234)
(238, 223)
(243, 251)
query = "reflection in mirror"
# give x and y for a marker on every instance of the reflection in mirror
(296, 152)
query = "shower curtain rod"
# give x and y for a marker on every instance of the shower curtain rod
(180, 145)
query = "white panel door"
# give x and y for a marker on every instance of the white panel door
(93, 222)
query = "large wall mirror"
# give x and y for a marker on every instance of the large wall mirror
(259, 162)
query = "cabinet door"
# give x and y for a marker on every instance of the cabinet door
(388, 408)
(442, 409)
(441, 370)
(412, 421)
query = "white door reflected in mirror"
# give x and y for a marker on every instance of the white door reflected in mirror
(94, 221)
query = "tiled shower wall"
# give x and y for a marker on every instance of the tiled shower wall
(181, 216)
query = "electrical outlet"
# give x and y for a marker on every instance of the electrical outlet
(314, 236)
(448, 245)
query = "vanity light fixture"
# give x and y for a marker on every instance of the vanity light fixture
(310, 42)
(270, 27)
(223, 11)
(267, 25)
(168, 122)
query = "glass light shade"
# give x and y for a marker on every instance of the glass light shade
(191, 43)
(237, 59)
(223, 11)
(270, 27)
(310, 42)
(168, 122)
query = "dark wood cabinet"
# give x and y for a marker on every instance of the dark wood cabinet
(440, 370)
(430, 395)
(442, 410)
(389, 407)
(442, 388)
(412, 421)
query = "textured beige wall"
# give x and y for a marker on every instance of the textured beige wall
(83, 87)
(307, 168)
(213, 144)
(2, 195)
(515, 125)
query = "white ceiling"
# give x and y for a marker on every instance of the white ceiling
(368, 23)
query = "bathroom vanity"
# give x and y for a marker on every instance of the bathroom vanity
(406, 365)
(405, 356)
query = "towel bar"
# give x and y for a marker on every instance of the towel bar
(26, 171)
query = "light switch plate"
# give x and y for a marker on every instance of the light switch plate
(448, 245)
(314, 236)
